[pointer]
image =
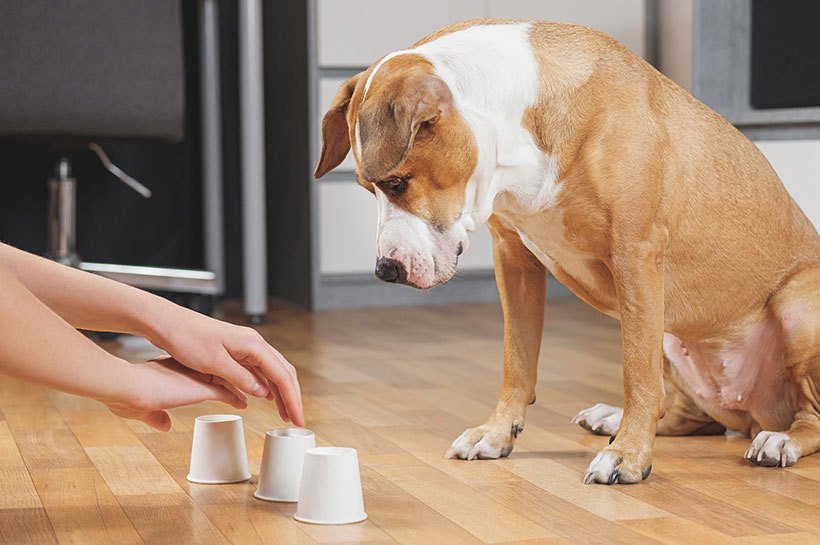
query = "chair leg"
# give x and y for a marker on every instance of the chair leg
(62, 214)
(62, 210)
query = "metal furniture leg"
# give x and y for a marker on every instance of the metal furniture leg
(62, 215)
(253, 159)
(211, 142)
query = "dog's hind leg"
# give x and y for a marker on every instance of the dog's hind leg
(797, 306)
(600, 419)
(682, 417)
(783, 449)
(522, 285)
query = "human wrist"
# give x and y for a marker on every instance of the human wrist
(155, 318)
(122, 385)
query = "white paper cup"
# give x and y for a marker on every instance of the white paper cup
(281, 471)
(331, 490)
(218, 454)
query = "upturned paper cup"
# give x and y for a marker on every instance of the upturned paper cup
(281, 471)
(331, 490)
(218, 454)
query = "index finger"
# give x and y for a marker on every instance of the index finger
(279, 371)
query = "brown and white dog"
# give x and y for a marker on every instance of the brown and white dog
(586, 162)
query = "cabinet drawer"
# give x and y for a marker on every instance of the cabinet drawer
(624, 20)
(354, 33)
(327, 90)
(347, 228)
(347, 232)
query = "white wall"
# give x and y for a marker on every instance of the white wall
(797, 162)
(624, 20)
(675, 40)
(354, 33)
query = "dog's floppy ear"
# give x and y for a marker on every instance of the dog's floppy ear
(335, 136)
(388, 127)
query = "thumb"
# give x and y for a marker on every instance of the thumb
(226, 393)
(157, 419)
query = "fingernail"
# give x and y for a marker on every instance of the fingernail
(259, 390)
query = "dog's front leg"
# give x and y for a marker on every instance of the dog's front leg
(522, 285)
(638, 276)
(637, 270)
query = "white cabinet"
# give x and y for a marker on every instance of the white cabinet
(347, 228)
(624, 20)
(354, 33)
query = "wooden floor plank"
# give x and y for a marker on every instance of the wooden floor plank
(255, 523)
(781, 539)
(132, 470)
(43, 437)
(170, 519)
(82, 509)
(26, 527)
(561, 518)
(677, 531)
(609, 503)
(477, 513)
(18, 489)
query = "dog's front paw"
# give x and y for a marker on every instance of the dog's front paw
(613, 466)
(485, 442)
(772, 449)
(600, 419)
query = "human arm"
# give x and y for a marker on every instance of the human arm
(38, 346)
(239, 355)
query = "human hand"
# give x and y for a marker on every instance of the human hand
(238, 355)
(164, 383)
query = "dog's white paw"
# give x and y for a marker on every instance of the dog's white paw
(771, 449)
(610, 466)
(485, 442)
(601, 419)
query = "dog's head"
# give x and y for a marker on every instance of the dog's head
(416, 153)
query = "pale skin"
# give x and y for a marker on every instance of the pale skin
(43, 304)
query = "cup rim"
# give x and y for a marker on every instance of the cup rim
(289, 432)
(331, 451)
(202, 480)
(352, 520)
(218, 418)
(259, 496)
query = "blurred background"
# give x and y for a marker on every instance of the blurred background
(214, 106)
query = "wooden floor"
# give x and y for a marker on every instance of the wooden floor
(398, 385)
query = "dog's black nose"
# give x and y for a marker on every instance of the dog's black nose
(390, 270)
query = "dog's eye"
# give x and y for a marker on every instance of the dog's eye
(394, 186)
